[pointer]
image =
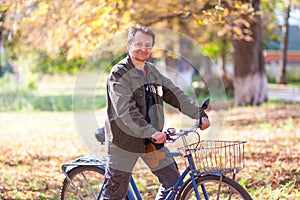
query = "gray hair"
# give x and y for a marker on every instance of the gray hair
(134, 29)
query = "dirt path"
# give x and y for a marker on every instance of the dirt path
(284, 93)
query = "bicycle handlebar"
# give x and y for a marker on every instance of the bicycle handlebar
(100, 132)
(201, 111)
(173, 135)
(172, 131)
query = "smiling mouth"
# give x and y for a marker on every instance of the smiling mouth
(140, 53)
(141, 57)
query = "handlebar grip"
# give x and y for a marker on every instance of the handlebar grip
(168, 138)
(201, 111)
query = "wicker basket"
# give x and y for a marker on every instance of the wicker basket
(217, 156)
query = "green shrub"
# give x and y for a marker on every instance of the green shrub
(13, 96)
(16, 97)
(292, 76)
(58, 65)
(271, 79)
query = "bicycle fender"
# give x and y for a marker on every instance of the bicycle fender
(88, 160)
(185, 184)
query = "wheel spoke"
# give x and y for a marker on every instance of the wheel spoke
(83, 183)
(89, 189)
(74, 188)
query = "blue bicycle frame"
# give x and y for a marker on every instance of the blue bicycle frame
(230, 149)
(134, 194)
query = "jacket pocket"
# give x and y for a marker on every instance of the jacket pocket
(139, 97)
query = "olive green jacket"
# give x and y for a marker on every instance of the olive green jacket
(125, 125)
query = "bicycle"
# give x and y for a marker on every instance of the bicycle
(207, 163)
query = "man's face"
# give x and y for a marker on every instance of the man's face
(141, 46)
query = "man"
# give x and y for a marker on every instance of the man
(136, 91)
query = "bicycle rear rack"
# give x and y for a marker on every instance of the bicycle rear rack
(83, 161)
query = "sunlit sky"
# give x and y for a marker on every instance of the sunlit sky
(294, 17)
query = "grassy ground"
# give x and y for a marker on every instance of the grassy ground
(273, 153)
(33, 145)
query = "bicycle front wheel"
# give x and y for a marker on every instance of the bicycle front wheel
(210, 187)
(82, 182)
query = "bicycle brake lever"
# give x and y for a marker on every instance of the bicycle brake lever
(169, 138)
(201, 111)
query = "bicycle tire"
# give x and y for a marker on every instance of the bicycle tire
(82, 182)
(229, 189)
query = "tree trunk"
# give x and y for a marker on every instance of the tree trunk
(2, 18)
(250, 80)
(284, 42)
(223, 56)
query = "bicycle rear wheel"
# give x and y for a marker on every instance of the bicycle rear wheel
(82, 182)
(209, 188)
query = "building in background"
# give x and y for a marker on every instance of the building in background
(273, 53)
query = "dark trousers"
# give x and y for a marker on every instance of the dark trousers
(120, 164)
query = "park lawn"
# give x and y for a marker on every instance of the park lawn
(34, 144)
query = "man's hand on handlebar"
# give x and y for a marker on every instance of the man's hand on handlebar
(159, 137)
(205, 123)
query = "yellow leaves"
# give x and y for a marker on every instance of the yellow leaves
(207, 12)
(31, 154)
(241, 22)
(126, 17)
(42, 7)
(209, 17)
(272, 158)
(78, 25)
(3, 8)
(227, 28)
(245, 6)
(237, 30)
(219, 8)
(202, 21)
(236, 5)
(100, 19)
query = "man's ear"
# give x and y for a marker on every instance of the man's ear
(127, 46)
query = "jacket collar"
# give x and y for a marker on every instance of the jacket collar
(151, 72)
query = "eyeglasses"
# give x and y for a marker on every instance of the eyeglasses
(140, 45)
